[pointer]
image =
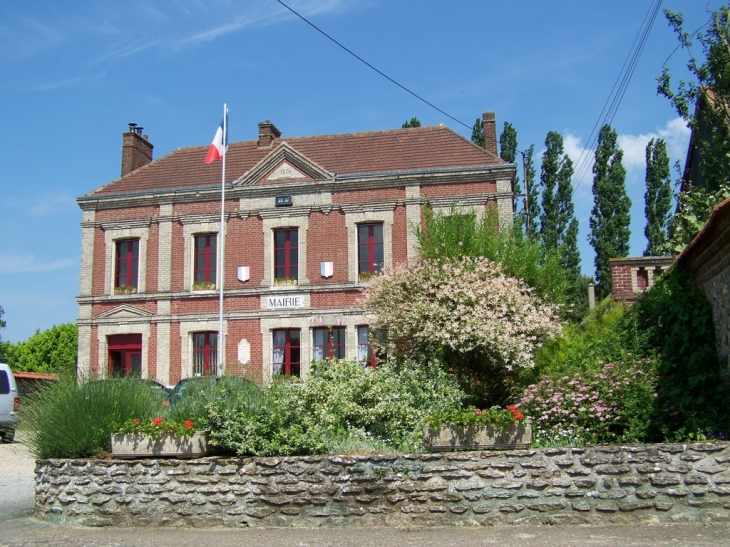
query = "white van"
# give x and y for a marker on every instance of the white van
(9, 403)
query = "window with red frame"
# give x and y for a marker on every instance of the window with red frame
(286, 253)
(205, 258)
(369, 248)
(329, 343)
(125, 355)
(365, 350)
(287, 352)
(127, 263)
(205, 353)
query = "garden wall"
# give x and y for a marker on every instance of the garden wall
(605, 484)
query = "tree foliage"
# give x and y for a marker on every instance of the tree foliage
(508, 152)
(460, 234)
(657, 198)
(413, 122)
(477, 133)
(532, 204)
(50, 351)
(462, 307)
(704, 103)
(610, 216)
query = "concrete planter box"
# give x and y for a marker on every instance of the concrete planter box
(141, 445)
(478, 437)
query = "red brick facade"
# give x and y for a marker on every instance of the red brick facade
(329, 186)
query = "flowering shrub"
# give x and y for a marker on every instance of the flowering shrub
(468, 306)
(613, 404)
(157, 426)
(496, 416)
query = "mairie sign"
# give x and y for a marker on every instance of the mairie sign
(284, 302)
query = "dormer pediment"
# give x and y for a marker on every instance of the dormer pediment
(281, 165)
(125, 310)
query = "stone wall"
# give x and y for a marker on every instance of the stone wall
(605, 484)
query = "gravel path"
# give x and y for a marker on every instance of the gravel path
(17, 472)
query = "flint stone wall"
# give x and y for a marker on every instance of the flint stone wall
(594, 485)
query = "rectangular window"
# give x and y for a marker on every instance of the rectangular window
(125, 355)
(365, 352)
(369, 248)
(205, 258)
(287, 352)
(286, 253)
(127, 263)
(205, 353)
(329, 343)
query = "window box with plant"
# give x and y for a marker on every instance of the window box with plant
(125, 289)
(475, 429)
(203, 286)
(284, 281)
(159, 438)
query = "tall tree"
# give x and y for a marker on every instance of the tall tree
(657, 198)
(508, 152)
(413, 122)
(610, 216)
(532, 202)
(551, 160)
(477, 133)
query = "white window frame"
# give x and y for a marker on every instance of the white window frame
(189, 233)
(111, 236)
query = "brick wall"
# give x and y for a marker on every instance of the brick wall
(327, 242)
(640, 484)
(442, 190)
(631, 276)
(354, 196)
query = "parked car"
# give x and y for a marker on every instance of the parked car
(9, 403)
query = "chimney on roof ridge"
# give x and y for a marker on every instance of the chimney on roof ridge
(489, 125)
(267, 133)
(136, 149)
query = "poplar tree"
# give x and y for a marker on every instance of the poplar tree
(610, 216)
(532, 212)
(558, 225)
(657, 198)
(508, 152)
(477, 133)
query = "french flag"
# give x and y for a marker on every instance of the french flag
(220, 142)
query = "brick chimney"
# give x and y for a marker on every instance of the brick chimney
(136, 149)
(267, 133)
(490, 133)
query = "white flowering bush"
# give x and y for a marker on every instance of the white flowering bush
(466, 306)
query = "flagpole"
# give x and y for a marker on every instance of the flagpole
(222, 254)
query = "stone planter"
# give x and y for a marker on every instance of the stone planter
(478, 437)
(141, 445)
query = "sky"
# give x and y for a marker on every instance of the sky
(74, 74)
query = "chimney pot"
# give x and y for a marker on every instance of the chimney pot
(136, 149)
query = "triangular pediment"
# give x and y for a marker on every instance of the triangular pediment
(124, 310)
(284, 164)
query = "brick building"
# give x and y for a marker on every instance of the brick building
(307, 220)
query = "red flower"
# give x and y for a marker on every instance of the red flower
(158, 421)
(516, 413)
(136, 421)
(188, 424)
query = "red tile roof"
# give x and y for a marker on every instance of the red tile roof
(351, 153)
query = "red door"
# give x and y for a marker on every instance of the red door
(125, 355)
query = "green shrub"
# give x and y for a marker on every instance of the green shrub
(603, 336)
(66, 420)
(612, 404)
(342, 406)
(692, 392)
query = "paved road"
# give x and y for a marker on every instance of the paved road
(18, 527)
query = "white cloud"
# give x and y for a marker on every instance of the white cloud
(675, 133)
(26, 263)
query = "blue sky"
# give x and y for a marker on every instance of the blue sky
(73, 74)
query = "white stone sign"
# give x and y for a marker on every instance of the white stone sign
(284, 302)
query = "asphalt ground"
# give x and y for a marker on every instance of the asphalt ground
(19, 528)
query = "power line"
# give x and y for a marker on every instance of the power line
(620, 86)
(404, 88)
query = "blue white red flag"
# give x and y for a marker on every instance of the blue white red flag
(220, 142)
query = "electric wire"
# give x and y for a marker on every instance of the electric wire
(615, 97)
(404, 88)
